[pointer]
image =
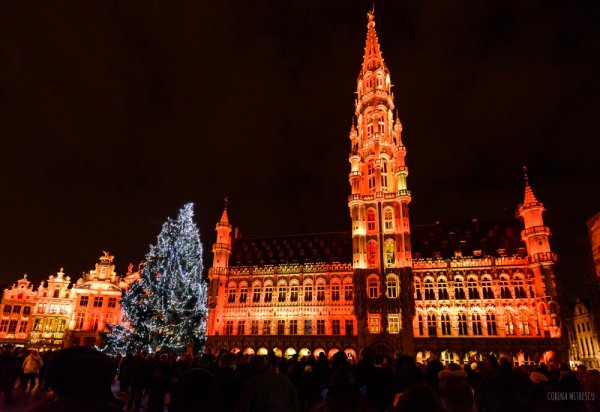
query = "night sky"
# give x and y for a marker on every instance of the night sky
(114, 114)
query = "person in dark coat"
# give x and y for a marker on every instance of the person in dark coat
(137, 381)
(81, 379)
(228, 382)
(125, 372)
(195, 390)
(9, 369)
(455, 390)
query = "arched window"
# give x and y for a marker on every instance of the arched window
(320, 291)
(519, 288)
(486, 286)
(348, 290)
(391, 286)
(294, 292)
(268, 292)
(335, 291)
(459, 288)
(390, 252)
(431, 324)
(476, 324)
(509, 325)
(232, 292)
(429, 293)
(442, 289)
(418, 294)
(370, 168)
(371, 223)
(256, 292)
(373, 286)
(388, 219)
(524, 324)
(243, 292)
(472, 286)
(446, 330)
(372, 254)
(504, 289)
(420, 324)
(462, 324)
(308, 292)
(56, 292)
(384, 165)
(491, 324)
(281, 292)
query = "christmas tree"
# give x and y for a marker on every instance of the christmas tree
(166, 309)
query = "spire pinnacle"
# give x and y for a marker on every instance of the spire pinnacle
(224, 217)
(372, 58)
(529, 196)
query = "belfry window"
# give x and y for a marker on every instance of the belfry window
(388, 220)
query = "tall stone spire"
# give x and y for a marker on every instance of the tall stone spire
(372, 59)
(529, 195)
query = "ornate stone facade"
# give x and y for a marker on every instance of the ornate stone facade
(15, 312)
(456, 291)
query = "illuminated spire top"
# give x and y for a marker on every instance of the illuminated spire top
(529, 196)
(224, 217)
(372, 58)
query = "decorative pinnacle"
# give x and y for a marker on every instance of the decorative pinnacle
(529, 195)
(226, 202)
(526, 177)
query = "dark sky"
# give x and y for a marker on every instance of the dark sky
(114, 114)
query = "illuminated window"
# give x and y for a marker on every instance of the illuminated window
(308, 292)
(320, 292)
(445, 321)
(420, 324)
(112, 302)
(418, 295)
(429, 292)
(12, 326)
(293, 327)
(83, 300)
(281, 327)
(27, 310)
(56, 292)
(384, 174)
(491, 324)
(431, 324)
(294, 293)
(509, 325)
(320, 327)
(374, 324)
(335, 292)
(486, 285)
(94, 321)
(229, 327)
(388, 220)
(459, 289)
(256, 294)
(504, 289)
(373, 286)
(390, 252)
(393, 324)
(37, 325)
(254, 328)
(308, 327)
(349, 327)
(372, 254)
(462, 325)
(7, 309)
(267, 327)
(231, 295)
(348, 292)
(269, 293)
(17, 309)
(243, 294)
(4, 325)
(370, 221)
(23, 327)
(241, 329)
(335, 327)
(391, 286)
(53, 308)
(371, 175)
(80, 320)
(524, 324)
(472, 286)
(476, 324)
(442, 289)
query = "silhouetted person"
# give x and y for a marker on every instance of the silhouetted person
(195, 391)
(343, 394)
(9, 370)
(229, 383)
(81, 380)
(125, 372)
(31, 368)
(137, 380)
(419, 398)
(455, 390)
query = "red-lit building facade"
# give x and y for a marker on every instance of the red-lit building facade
(452, 291)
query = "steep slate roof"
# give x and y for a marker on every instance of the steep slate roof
(428, 241)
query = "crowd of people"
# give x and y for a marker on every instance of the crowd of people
(82, 378)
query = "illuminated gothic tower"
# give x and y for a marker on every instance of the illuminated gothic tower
(217, 274)
(379, 205)
(537, 240)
